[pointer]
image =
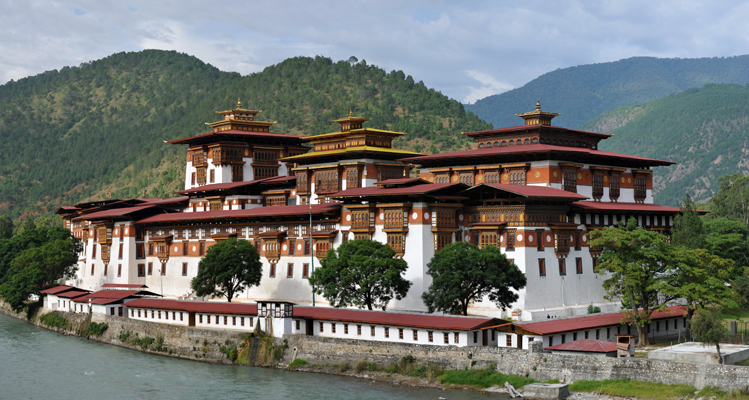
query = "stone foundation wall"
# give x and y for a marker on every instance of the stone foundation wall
(519, 362)
(189, 343)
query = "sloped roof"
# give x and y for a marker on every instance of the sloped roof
(389, 191)
(113, 212)
(235, 185)
(551, 326)
(624, 207)
(534, 191)
(396, 319)
(196, 306)
(124, 285)
(534, 127)
(534, 150)
(237, 133)
(250, 213)
(586, 345)
(112, 296)
(72, 294)
(58, 289)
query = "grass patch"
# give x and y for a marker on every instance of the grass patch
(364, 365)
(744, 363)
(95, 329)
(482, 378)
(630, 388)
(55, 320)
(298, 362)
(717, 394)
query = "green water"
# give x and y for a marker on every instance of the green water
(40, 364)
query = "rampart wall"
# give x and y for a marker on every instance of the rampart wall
(189, 343)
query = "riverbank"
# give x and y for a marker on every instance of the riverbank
(365, 359)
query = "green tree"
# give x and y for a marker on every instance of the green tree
(228, 268)
(38, 267)
(732, 199)
(362, 273)
(462, 273)
(689, 230)
(637, 263)
(708, 327)
(698, 277)
(6, 227)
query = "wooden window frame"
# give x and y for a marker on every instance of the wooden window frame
(579, 265)
(562, 267)
(541, 267)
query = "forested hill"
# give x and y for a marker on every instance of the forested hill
(705, 130)
(98, 130)
(584, 92)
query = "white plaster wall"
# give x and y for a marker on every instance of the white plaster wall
(247, 172)
(173, 316)
(209, 321)
(188, 174)
(465, 337)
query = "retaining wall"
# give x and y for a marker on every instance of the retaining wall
(565, 368)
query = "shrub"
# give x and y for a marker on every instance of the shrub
(593, 309)
(343, 366)
(55, 320)
(360, 366)
(298, 362)
(95, 329)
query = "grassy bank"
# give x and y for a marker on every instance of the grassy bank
(650, 390)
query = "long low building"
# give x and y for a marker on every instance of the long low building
(665, 324)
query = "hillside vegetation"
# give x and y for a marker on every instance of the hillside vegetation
(98, 130)
(705, 130)
(583, 92)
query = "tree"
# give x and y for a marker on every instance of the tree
(361, 273)
(38, 267)
(732, 199)
(6, 227)
(462, 273)
(708, 328)
(698, 277)
(637, 263)
(689, 230)
(228, 268)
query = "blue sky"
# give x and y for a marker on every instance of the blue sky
(465, 49)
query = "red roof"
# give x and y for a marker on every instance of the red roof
(534, 127)
(170, 200)
(623, 207)
(112, 296)
(536, 191)
(534, 149)
(195, 306)
(386, 191)
(72, 294)
(58, 289)
(399, 181)
(551, 326)
(124, 285)
(234, 132)
(227, 186)
(113, 212)
(253, 212)
(396, 319)
(586, 345)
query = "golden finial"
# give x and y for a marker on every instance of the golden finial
(350, 114)
(239, 103)
(538, 104)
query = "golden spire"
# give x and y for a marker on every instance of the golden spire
(537, 117)
(538, 104)
(350, 114)
(239, 103)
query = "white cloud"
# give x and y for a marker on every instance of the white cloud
(465, 50)
(489, 87)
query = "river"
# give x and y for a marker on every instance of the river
(39, 364)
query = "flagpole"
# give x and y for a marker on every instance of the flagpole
(311, 251)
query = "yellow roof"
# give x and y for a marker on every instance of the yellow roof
(355, 131)
(349, 149)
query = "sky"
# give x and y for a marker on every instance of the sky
(467, 50)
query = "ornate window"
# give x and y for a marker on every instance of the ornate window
(237, 172)
(640, 188)
(442, 178)
(359, 235)
(397, 242)
(271, 250)
(360, 219)
(442, 240)
(302, 182)
(569, 180)
(389, 173)
(597, 185)
(321, 248)
(517, 177)
(488, 239)
(265, 172)
(393, 219)
(541, 267)
(466, 178)
(491, 177)
(352, 178)
(562, 267)
(510, 239)
(327, 182)
(614, 186)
